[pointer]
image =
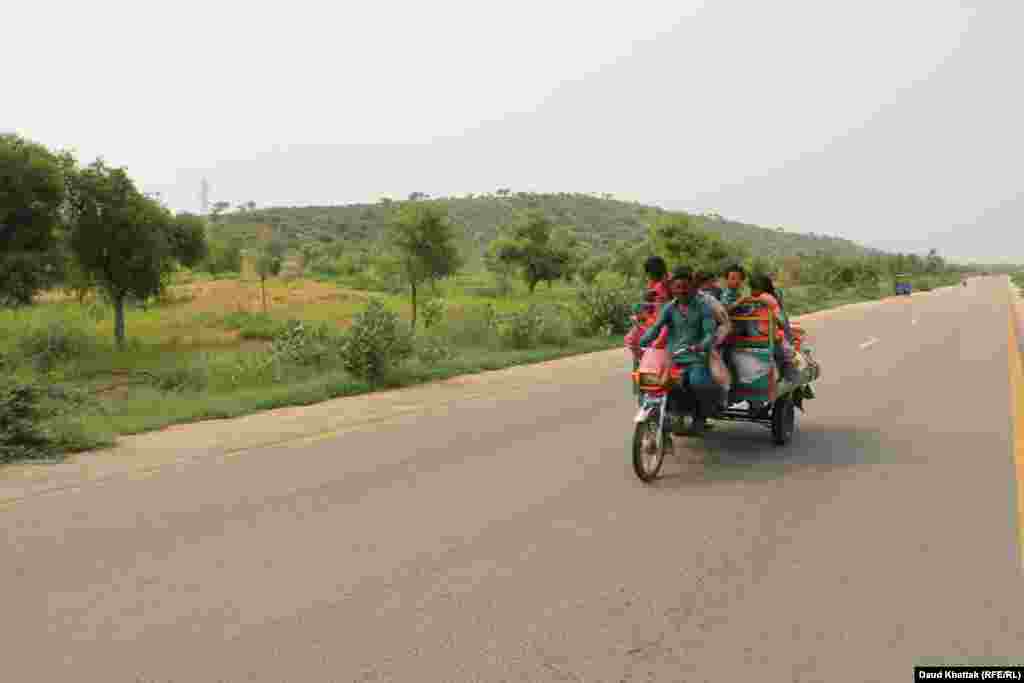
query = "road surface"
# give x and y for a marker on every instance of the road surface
(504, 536)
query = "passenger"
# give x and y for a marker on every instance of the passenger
(708, 283)
(644, 315)
(704, 282)
(735, 277)
(692, 328)
(657, 278)
(770, 288)
(762, 289)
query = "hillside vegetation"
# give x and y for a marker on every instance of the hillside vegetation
(598, 222)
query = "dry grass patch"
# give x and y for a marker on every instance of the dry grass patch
(232, 295)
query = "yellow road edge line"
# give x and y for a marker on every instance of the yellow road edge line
(1017, 413)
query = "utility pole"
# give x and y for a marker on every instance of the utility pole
(204, 197)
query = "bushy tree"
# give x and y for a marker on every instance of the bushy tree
(127, 243)
(223, 257)
(934, 263)
(626, 260)
(217, 209)
(530, 247)
(591, 268)
(32, 196)
(573, 254)
(188, 243)
(425, 242)
(497, 260)
(677, 237)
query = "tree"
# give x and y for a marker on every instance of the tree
(761, 265)
(425, 242)
(497, 262)
(269, 259)
(217, 209)
(530, 247)
(224, 257)
(570, 252)
(125, 241)
(675, 237)
(592, 267)
(625, 260)
(312, 256)
(188, 243)
(32, 196)
(76, 280)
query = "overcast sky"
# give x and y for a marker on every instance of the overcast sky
(894, 123)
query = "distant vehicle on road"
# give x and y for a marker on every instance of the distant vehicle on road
(903, 286)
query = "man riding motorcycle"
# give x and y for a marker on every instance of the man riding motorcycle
(692, 329)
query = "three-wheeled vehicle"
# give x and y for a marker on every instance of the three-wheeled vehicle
(668, 399)
(903, 287)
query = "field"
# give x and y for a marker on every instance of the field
(203, 352)
(206, 350)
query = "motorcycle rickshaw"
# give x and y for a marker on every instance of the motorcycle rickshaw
(668, 398)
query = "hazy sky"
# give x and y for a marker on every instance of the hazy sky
(893, 123)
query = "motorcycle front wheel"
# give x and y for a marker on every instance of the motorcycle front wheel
(648, 454)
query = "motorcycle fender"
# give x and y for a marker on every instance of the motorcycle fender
(642, 414)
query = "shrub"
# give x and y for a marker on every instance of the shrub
(556, 328)
(519, 330)
(252, 325)
(375, 343)
(869, 289)
(35, 420)
(603, 311)
(56, 342)
(250, 368)
(21, 417)
(819, 293)
(473, 327)
(431, 349)
(433, 312)
(183, 378)
(300, 343)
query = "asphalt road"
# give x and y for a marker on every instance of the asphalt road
(506, 538)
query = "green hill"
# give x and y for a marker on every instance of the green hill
(598, 221)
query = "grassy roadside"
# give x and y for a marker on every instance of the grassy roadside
(152, 409)
(1018, 279)
(196, 356)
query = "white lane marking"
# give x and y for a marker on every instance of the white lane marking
(869, 343)
(914, 321)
